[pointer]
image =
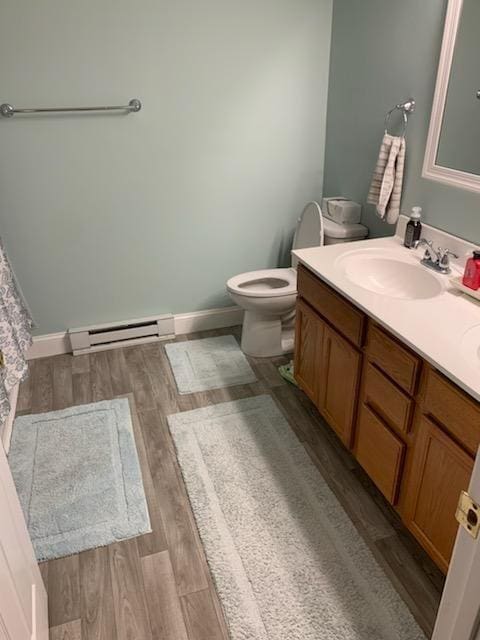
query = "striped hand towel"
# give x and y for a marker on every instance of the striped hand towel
(386, 188)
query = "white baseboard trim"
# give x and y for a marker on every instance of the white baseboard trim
(54, 344)
(209, 319)
(51, 344)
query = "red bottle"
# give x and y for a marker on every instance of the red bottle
(471, 276)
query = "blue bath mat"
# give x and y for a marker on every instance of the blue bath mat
(208, 363)
(78, 478)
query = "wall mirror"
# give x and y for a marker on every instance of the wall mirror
(453, 146)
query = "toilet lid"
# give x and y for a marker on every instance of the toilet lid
(309, 232)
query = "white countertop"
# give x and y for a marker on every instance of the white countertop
(433, 327)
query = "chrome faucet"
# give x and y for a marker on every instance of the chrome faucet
(430, 254)
(438, 260)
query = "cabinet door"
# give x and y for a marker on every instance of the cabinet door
(340, 374)
(380, 452)
(441, 470)
(308, 343)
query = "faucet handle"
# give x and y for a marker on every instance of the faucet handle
(444, 256)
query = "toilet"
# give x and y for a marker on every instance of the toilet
(268, 295)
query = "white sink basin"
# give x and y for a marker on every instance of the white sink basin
(379, 272)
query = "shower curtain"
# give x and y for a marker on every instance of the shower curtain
(15, 334)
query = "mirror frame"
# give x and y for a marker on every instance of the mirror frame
(431, 170)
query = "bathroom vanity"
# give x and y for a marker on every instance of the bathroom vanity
(380, 369)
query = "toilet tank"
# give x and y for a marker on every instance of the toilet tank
(337, 233)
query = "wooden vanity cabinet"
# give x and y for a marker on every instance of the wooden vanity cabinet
(327, 364)
(327, 368)
(413, 431)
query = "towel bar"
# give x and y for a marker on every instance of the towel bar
(7, 111)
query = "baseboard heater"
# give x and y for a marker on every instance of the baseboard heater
(121, 334)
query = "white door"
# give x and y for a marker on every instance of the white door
(459, 614)
(23, 600)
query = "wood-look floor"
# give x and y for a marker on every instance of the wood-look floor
(158, 586)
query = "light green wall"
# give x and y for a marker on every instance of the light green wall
(109, 217)
(382, 52)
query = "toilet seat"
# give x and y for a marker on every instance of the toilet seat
(265, 283)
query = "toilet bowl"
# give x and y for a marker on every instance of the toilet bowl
(269, 295)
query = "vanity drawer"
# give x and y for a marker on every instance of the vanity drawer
(400, 364)
(380, 452)
(452, 408)
(394, 406)
(339, 312)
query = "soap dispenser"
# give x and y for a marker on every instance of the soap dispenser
(414, 228)
(471, 277)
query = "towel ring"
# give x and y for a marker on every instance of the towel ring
(406, 108)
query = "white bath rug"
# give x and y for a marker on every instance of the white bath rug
(210, 363)
(287, 561)
(78, 477)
